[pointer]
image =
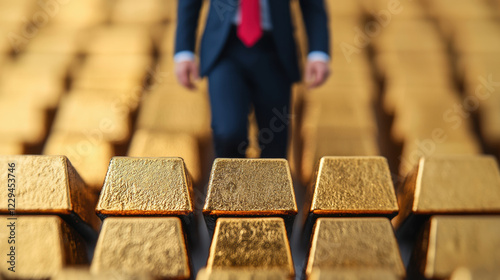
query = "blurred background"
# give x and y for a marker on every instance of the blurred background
(93, 79)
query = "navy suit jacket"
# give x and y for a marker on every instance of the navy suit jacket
(220, 19)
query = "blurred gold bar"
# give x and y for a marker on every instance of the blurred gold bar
(450, 185)
(242, 274)
(47, 185)
(250, 243)
(354, 244)
(137, 246)
(11, 148)
(43, 246)
(21, 122)
(83, 273)
(250, 187)
(146, 186)
(143, 12)
(352, 186)
(99, 118)
(89, 156)
(120, 39)
(335, 142)
(463, 273)
(146, 143)
(80, 14)
(353, 274)
(451, 242)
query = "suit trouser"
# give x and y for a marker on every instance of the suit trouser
(245, 77)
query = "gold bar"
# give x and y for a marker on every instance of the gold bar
(475, 274)
(90, 158)
(450, 185)
(101, 118)
(81, 14)
(83, 273)
(43, 245)
(250, 243)
(250, 187)
(242, 274)
(335, 142)
(352, 274)
(146, 143)
(27, 125)
(47, 185)
(137, 246)
(146, 186)
(352, 186)
(354, 244)
(11, 148)
(119, 39)
(133, 12)
(451, 242)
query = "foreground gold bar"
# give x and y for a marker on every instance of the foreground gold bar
(83, 273)
(146, 143)
(146, 186)
(452, 242)
(137, 246)
(451, 185)
(250, 187)
(354, 244)
(43, 245)
(349, 186)
(46, 185)
(242, 274)
(251, 243)
(89, 156)
(353, 274)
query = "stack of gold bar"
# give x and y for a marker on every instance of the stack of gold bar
(385, 166)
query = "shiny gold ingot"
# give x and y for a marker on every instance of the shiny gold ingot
(353, 274)
(43, 246)
(137, 246)
(335, 142)
(48, 185)
(354, 244)
(242, 274)
(21, 122)
(250, 187)
(98, 118)
(250, 243)
(89, 156)
(147, 143)
(146, 186)
(83, 273)
(451, 185)
(454, 241)
(119, 39)
(350, 186)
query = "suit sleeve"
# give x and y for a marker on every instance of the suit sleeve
(316, 21)
(188, 13)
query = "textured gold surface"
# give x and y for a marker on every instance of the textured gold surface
(147, 143)
(354, 243)
(43, 246)
(451, 184)
(353, 185)
(83, 273)
(242, 274)
(90, 158)
(142, 245)
(146, 186)
(250, 243)
(454, 242)
(353, 274)
(243, 186)
(48, 184)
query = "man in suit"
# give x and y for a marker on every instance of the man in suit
(249, 55)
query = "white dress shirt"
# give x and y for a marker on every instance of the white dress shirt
(266, 24)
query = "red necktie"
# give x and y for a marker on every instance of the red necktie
(250, 29)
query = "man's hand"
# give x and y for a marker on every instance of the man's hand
(187, 73)
(316, 73)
